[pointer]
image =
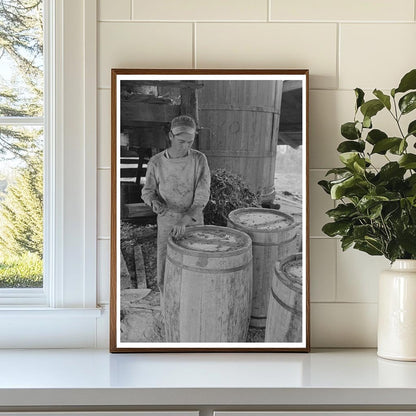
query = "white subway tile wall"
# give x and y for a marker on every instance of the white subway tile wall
(357, 275)
(104, 202)
(349, 325)
(103, 270)
(375, 55)
(345, 44)
(270, 45)
(104, 128)
(142, 45)
(114, 10)
(356, 10)
(200, 10)
(323, 269)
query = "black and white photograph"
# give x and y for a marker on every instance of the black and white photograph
(209, 214)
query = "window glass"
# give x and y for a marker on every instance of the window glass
(21, 143)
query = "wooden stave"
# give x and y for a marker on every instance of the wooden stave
(179, 330)
(264, 249)
(242, 116)
(284, 322)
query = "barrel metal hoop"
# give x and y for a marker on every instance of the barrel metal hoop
(208, 271)
(243, 154)
(285, 306)
(275, 244)
(290, 282)
(248, 108)
(258, 317)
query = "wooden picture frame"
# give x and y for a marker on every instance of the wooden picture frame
(248, 290)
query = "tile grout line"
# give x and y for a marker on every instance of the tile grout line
(338, 63)
(307, 22)
(269, 10)
(131, 9)
(336, 271)
(194, 62)
(310, 89)
(355, 302)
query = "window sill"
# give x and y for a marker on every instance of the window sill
(40, 327)
(36, 312)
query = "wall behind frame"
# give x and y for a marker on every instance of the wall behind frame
(345, 44)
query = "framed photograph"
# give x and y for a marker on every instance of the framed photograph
(209, 211)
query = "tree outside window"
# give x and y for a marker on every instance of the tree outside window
(21, 143)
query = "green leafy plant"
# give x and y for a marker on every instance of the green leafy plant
(228, 192)
(376, 212)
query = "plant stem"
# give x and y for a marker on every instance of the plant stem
(397, 118)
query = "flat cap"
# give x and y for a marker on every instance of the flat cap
(183, 124)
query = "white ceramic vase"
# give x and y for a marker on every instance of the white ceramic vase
(397, 312)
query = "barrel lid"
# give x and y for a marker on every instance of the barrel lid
(212, 239)
(292, 267)
(261, 219)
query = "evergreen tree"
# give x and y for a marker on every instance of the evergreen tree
(21, 213)
(21, 95)
(21, 87)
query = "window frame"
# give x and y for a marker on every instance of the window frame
(64, 313)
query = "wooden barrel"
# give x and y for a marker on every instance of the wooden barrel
(239, 122)
(208, 285)
(273, 235)
(129, 193)
(284, 318)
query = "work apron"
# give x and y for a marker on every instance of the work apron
(165, 225)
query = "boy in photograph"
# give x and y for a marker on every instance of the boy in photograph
(177, 187)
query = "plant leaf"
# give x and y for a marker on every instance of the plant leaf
(342, 211)
(336, 228)
(367, 122)
(349, 131)
(325, 186)
(407, 239)
(385, 99)
(338, 171)
(359, 94)
(390, 170)
(375, 212)
(367, 248)
(375, 136)
(348, 158)
(337, 188)
(408, 161)
(350, 146)
(383, 145)
(411, 130)
(408, 82)
(400, 148)
(346, 242)
(393, 250)
(408, 102)
(369, 201)
(371, 108)
(359, 232)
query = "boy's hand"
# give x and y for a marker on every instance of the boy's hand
(159, 207)
(178, 229)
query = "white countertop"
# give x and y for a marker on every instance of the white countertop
(96, 377)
